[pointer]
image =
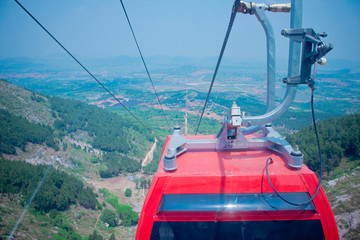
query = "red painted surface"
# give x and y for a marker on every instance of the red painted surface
(232, 172)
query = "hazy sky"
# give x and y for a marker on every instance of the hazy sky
(191, 28)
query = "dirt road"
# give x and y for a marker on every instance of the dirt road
(149, 156)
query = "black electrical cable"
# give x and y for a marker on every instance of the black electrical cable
(83, 66)
(232, 18)
(142, 58)
(321, 171)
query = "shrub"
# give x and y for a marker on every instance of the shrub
(110, 217)
(127, 215)
(128, 192)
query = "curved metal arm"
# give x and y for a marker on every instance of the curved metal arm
(259, 10)
(274, 114)
(294, 63)
(271, 50)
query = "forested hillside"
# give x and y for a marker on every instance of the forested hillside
(62, 204)
(117, 137)
(339, 137)
(16, 132)
(58, 191)
(28, 117)
(72, 144)
(110, 132)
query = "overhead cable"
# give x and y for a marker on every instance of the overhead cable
(142, 58)
(73, 57)
(232, 18)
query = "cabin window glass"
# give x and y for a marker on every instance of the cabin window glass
(233, 202)
(239, 230)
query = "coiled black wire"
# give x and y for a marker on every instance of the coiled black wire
(321, 171)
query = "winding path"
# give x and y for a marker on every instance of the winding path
(149, 156)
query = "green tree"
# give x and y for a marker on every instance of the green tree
(110, 217)
(87, 198)
(127, 215)
(128, 192)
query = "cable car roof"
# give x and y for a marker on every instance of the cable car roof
(239, 168)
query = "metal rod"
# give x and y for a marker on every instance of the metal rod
(270, 54)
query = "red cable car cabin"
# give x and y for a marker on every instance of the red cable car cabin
(217, 187)
(226, 195)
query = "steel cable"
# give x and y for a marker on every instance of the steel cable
(232, 18)
(76, 60)
(142, 58)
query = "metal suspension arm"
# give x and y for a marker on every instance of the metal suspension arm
(313, 49)
(294, 63)
(259, 11)
(274, 114)
(271, 50)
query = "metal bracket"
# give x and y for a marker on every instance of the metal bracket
(176, 147)
(259, 10)
(294, 158)
(230, 137)
(313, 48)
(249, 8)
